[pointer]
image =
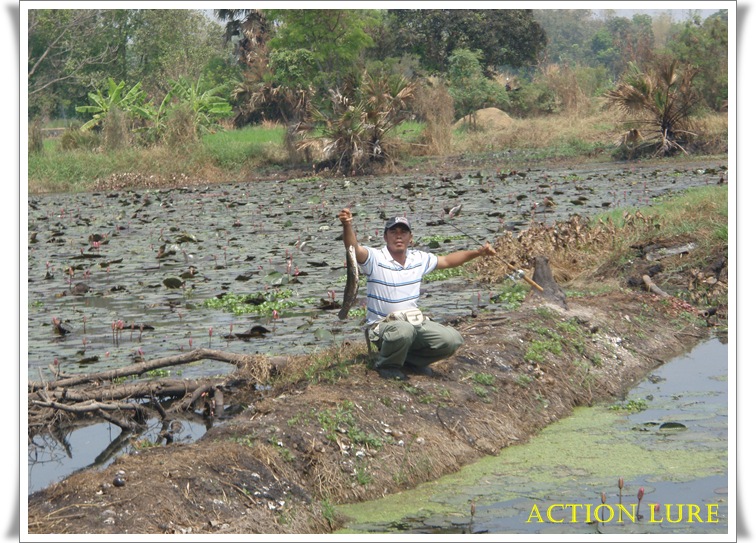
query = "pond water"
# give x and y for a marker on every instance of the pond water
(127, 273)
(53, 457)
(676, 447)
(282, 238)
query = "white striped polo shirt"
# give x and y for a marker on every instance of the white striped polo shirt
(391, 286)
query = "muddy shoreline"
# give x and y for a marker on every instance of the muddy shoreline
(346, 435)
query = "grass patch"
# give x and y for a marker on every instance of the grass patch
(341, 420)
(235, 149)
(221, 156)
(537, 349)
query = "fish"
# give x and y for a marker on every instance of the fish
(352, 284)
(453, 212)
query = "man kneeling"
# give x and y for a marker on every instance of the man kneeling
(406, 339)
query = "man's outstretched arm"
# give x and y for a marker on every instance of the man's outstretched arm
(457, 258)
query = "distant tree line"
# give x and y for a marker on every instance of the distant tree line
(73, 52)
(295, 65)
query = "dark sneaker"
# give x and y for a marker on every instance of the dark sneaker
(392, 373)
(420, 370)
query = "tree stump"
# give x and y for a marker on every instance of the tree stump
(543, 276)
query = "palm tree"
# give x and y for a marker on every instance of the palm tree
(355, 130)
(662, 98)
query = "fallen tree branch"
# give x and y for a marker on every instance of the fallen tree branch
(239, 360)
(165, 388)
(125, 425)
(88, 407)
(651, 286)
(96, 394)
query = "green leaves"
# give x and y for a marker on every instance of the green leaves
(206, 103)
(132, 103)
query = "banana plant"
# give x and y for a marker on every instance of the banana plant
(133, 103)
(207, 104)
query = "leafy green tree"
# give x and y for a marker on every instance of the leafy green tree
(705, 44)
(68, 51)
(170, 44)
(624, 40)
(505, 37)
(469, 87)
(335, 39)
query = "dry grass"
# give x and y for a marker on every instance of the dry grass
(582, 251)
(600, 127)
(711, 133)
(587, 127)
(435, 105)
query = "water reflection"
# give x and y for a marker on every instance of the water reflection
(51, 458)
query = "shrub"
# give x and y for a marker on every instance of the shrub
(74, 137)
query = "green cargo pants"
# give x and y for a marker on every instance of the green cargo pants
(400, 343)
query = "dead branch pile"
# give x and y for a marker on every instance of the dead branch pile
(128, 404)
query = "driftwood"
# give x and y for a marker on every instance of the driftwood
(239, 360)
(100, 395)
(651, 286)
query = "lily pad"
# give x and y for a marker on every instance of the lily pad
(173, 282)
(672, 426)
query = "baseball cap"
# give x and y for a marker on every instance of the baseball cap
(393, 221)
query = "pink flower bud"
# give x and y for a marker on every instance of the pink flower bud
(621, 483)
(603, 497)
(640, 493)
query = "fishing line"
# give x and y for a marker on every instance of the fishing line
(519, 273)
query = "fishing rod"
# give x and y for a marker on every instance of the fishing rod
(454, 212)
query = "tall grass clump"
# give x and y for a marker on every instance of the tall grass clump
(36, 138)
(74, 138)
(115, 130)
(180, 129)
(435, 106)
